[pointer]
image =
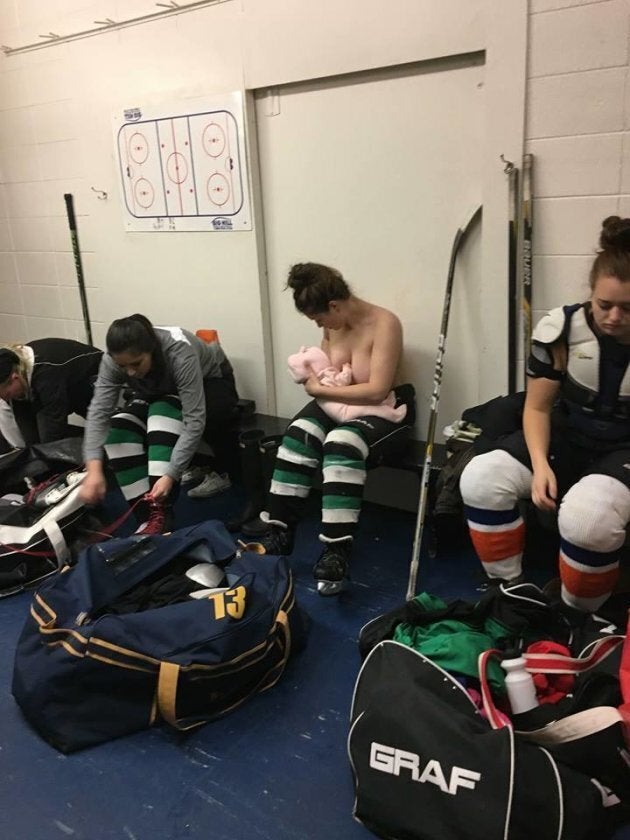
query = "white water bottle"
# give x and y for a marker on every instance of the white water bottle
(519, 685)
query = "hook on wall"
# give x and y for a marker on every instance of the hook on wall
(100, 194)
(509, 166)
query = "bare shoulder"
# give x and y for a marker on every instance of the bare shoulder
(384, 319)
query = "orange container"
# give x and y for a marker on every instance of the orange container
(209, 336)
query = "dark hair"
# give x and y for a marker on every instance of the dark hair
(613, 257)
(314, 286)
(134, 334)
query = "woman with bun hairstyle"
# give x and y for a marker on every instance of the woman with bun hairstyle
(42, 382)
(369, 338)
(181, 391)
(573, 455)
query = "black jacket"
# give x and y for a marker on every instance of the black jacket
(61, 384)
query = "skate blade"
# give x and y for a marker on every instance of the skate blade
(327, 588)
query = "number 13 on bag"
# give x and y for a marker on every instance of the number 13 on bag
(230, 602)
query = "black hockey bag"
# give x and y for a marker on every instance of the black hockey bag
(22, 468)
(428, 766)
(37, 530)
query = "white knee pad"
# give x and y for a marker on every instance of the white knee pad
(594, 513)
(495, 481)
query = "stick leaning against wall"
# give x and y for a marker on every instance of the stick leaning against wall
(458, 241)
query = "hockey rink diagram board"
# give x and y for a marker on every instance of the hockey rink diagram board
(184, 171)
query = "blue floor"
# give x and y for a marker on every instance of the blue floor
(276, 768)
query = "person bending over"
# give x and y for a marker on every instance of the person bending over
(573, 455)
(42, 382)
(182, 390)
(370, 339)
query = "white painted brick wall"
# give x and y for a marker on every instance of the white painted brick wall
(578, 113)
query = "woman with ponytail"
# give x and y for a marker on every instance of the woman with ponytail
(573, 455)
(181, 391)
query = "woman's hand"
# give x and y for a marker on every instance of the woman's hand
(313, 386)
(94, 486)
(544, 488)
(162, 488)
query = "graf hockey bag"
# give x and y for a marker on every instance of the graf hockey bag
(428, 766)
(37, 530)
(158, 628)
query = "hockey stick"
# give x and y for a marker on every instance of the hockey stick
(526, 256)
(513, 198)
(460, 236)
(72, 222)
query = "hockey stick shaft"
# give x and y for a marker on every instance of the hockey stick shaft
(72, 223)
(513, 302)
(526, 256)
(435, 398)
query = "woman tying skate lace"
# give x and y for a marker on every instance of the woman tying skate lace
(370, 339)
(182, 392)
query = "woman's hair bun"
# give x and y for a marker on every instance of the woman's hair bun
(615, 235)
(301, 276)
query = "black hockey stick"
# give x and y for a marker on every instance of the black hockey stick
(460, 236)
(513, 296)
(72, 222)
(526, 256)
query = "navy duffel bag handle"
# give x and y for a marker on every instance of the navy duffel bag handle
(168, 682)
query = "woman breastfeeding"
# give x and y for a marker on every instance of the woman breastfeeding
(369, 339)
(180, 390)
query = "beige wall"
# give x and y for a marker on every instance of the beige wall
(577, 121)
(56, 108)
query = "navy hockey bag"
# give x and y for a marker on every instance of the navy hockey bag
(428, 766)
(159, 628)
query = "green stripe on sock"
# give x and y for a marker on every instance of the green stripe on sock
(285, 477)
(299, 447)
(124, 436)
(341, 461)
(341, 502)
(160, 452)
(130, 476)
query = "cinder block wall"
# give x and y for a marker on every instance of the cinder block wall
(577, 126)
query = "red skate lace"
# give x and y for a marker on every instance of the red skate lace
(155, 523)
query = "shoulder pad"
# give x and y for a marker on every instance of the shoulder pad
(550, 327)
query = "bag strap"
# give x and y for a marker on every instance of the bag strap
(168, 681)
(545, 663)
(553, 663)
(496, 719)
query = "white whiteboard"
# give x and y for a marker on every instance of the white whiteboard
(183, 171)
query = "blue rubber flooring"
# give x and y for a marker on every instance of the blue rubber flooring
(275, 769)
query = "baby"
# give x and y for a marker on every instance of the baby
(313, 360)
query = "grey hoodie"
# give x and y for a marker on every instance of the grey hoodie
(188, 362)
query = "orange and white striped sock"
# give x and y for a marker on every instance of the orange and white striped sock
(499, 539)
(588, 577)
